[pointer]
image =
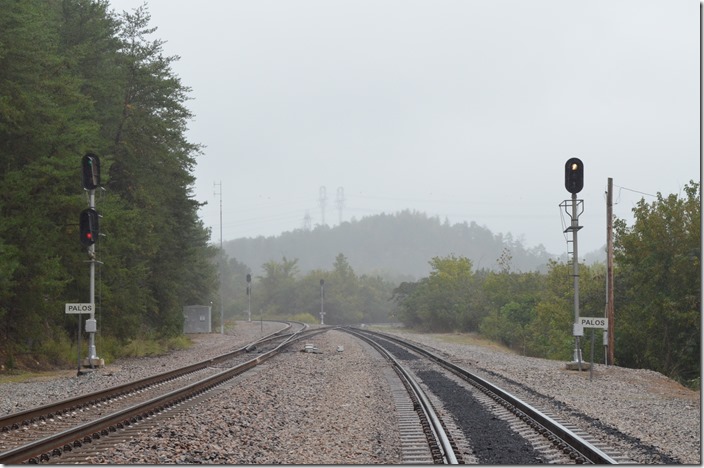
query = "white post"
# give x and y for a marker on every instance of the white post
(92, 353)
(575, 277)
(322, 301)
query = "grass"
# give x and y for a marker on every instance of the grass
(60, 358)
(472, 339)
(19, 376)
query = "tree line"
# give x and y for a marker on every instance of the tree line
(657, 295)
(76, 77)
(283, 292)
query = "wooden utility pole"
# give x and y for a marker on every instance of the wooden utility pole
(610, 269)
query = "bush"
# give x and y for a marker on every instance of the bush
(305, 317)
(57, 351)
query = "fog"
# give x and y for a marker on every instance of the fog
(462, 109)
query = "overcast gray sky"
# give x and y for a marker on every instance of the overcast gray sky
(465, 109)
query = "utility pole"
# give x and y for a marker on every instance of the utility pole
(610, 270)
(322, 200)
(222, 258)
(340, 201)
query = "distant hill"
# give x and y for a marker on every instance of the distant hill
(397, 246)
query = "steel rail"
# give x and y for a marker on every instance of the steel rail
(448, 452)
(106, 424)
(100, 396)
(577, 443)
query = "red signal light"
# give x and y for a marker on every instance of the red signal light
(89, 230)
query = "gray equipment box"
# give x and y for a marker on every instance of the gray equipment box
(196, 319)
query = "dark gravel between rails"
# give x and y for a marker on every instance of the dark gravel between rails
(493, 441)
(644, 415)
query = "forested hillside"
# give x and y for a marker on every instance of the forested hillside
(396, 246)
(77, 78)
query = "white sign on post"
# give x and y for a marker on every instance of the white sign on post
(85, 308)
(594, 322)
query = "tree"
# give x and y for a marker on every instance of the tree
(444, 301)
(276, 290)
(658, 318)
(44, 121)
(150, 170)
(74, 78)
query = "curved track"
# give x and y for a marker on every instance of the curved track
(576, 447)
(35, 435)
(441, 445)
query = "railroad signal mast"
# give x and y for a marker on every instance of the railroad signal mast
(574, 182)
(89, 230)
(322, 302)
(249, 297)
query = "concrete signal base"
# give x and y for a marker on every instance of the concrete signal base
(575, 366)
(94, 362)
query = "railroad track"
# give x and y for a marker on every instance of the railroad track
(551, 440)
(431, 430)
(39, 434)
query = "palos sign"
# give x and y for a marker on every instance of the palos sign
(594, 322)
(84, 308)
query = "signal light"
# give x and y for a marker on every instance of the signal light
(91, 171)
(88, 222)
(574, 175)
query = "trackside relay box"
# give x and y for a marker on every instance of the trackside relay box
(91, 326)
(196, 319)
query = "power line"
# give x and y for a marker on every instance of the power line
(635, 191)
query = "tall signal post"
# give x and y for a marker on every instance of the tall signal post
(609, 338)
(322, 301)
(574, 182)
(89, 233)
(222, 259)
(249, 297)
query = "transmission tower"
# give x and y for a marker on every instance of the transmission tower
(340, 201)
(306, 221)
(322, 200)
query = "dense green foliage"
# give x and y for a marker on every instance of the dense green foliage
(76, 77)
(659, 284)
(657, 296)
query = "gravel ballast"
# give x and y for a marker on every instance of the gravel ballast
(333, 407)
(643, 414)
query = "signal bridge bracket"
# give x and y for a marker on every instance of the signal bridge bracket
(574, 209)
